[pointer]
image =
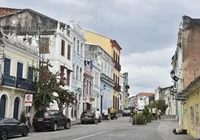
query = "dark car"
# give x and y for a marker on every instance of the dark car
(10, 127)
(89, 117)
(51, 119)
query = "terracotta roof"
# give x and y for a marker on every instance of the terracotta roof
(145, 94)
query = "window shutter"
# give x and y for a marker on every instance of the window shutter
(7, 66)
(19, 70)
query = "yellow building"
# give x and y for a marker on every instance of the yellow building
(114, 50)
(18, 57)
(191, 96)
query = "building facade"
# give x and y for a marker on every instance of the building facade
(113, 49)
(18, 59)
(92, 55)
(125, 88)
(78, 56)
(121, 94)
(143, 100)
(102, 73)
(54, 41)
(88, 85)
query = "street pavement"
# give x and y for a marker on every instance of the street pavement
(120, 129)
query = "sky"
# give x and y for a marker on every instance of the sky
(145, 29)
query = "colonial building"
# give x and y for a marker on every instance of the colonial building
(88, 86)
(78, 55)
(102, 73)
(121, 94)
(18, 57)
(125, 89)
(186, 74)
(53, 38)
(143, 100)
(113, 49)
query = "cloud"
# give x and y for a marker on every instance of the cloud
(144, 28)
(148, 70)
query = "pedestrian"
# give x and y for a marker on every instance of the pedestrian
(97, 114)
(159, 114)
(131, 115)
(154, 113)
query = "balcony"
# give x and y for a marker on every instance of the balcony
(117, 66)
(117, 87)
(18, 82)
(9, 80)
(107, 79)
(25, 84)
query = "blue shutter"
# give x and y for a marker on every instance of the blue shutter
(7, 66)
(19, 70)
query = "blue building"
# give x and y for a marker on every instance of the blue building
(78, 55)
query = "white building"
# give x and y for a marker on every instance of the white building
(143, 100)
(78, 54)
(121, 94)
(91, 55)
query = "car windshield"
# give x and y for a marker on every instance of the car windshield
(39, 114)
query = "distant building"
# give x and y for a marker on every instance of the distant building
(143, 100)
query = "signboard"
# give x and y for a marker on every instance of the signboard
(28, 99)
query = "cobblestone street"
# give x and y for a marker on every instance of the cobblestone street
(114, 130)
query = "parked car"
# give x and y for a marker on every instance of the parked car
(126, 112)
(51, 119)
(89, 116)
(10, 127)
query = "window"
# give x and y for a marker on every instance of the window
(30, 73)
(63, 48)
(73, 71)
(7, 66)
(69, 52)
(77, 74)
(74, 45)
(61, 74)
(114, 77)
(192, 116)
(19, 70)
(81, 49)
(68, 77)
(90, 88)
(80, 74)
(78, 46)
(105, 68)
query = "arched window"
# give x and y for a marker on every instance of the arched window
(16, 108)
(3, 106)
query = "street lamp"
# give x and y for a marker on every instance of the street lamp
(172, 74)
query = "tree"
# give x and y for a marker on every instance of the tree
(46, 85)
(65, 97)
(160, 104)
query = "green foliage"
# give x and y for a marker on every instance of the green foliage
(160, 104)
(139, 119)
(46, 85)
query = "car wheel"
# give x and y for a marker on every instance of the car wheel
(25, 133)
(82, 122)
(36, 129)
(3, 135)
(55, 127)
(67, 125)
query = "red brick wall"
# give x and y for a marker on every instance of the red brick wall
(4, 11)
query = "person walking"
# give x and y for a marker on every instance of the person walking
(131, 115)
(154, 113)
(159, 114)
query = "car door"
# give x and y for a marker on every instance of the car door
(17, 126)
(10, 127)
(62, 119)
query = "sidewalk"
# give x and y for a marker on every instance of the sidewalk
(166, 126)
(76, 122)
